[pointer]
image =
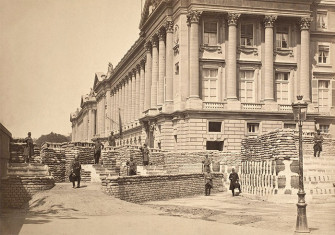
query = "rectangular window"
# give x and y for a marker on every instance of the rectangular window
(323, 57)
(253, 128)
(282, 36)
(247, 86)
(210, 85)
(214, 126)
(323, 93)
(324, 128)
(282, 88)
(210, 33)
(214, 145)
(321, 20)
(292, 126)
(247, 35)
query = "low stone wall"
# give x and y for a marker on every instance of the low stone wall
(159, 187)
(16, 191)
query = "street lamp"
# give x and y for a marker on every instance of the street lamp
(299, 112)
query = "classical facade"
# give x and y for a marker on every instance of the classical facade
(203, 74)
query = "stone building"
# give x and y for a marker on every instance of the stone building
(204, 74)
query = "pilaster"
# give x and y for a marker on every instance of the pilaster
(169, 67)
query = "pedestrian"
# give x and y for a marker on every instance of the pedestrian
(318, 140)
(75, 172)
(132, 166)
(29, 148)
(111, 140)
(208, 182)
(206, 162)
(234, 182)
(145, 154)
(97, 151)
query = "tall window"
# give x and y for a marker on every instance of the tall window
(321, 20)
(247, 86)
(282, 91)
(252, 128)
(323, 89)
(210, 85)
(210, 33)
(323, 57)
(282, 36)
(247, 35)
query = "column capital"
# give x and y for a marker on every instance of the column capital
(269, 20)
(233, 18)
(138, 68)
(305, 23)
(193, 17)
(161, 34)
(131, 74)
(142, 62)
(169, 26)
(147, 46)
(154, 40)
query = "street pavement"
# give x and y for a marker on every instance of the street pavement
(63, 210)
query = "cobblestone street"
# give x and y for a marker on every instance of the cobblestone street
(63, 210)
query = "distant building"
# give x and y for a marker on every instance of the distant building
(204, 74)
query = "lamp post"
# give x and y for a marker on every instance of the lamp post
(299, 111)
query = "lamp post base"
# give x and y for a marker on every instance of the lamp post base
(301, 226)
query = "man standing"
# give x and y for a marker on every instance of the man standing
(132, 166)
(97, 151)
(75, 173)
(208, 182)
(318, 140)
(111, 140)
(29, 148)
(145, 154)
(207, 164)
(233, 177)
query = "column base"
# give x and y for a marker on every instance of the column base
(194, 103)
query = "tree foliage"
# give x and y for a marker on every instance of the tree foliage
(52, 137)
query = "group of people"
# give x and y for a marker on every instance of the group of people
(131, 164)
(233, 177)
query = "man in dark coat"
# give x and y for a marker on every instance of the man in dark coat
(132, 166)
(318, 139)
(207, 164)
(145, 154)
(75, 172)
(111, 139)
(29, 148)
(97, 151)
(233, 177)
(208, 182)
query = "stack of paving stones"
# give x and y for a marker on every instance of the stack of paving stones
(158, 187)
(85, 176)
(53, 155)
(279, 144)
(16, 152)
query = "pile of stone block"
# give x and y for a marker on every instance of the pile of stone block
(16, 152)
(54, 158)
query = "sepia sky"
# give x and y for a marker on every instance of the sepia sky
(49, 53)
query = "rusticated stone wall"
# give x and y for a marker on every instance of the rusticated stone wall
(16, 191)
(158, 187)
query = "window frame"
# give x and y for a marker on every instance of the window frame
(245, 80)
(290, 123)
(329, 90)
(203, 31)
(209, 79)
(325, 13)
(318, 54)
(288, 37)
(221, 127)
(281, 82)
(322, 129)
(253, 34)
(253, 133)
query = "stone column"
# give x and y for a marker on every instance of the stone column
(93, 122)
(128, 99)
(268, 58)
(305, 24)
(103, 115)
(113, 94)
(90, 121)
(137, 97)
(142, 88)
(116, 109)
(133, 95)
(193, 21)
(169, 64)
(125, 102)
(154, 72)
(161, 68)
(148, 77)
(108, 112)
(231, 57)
